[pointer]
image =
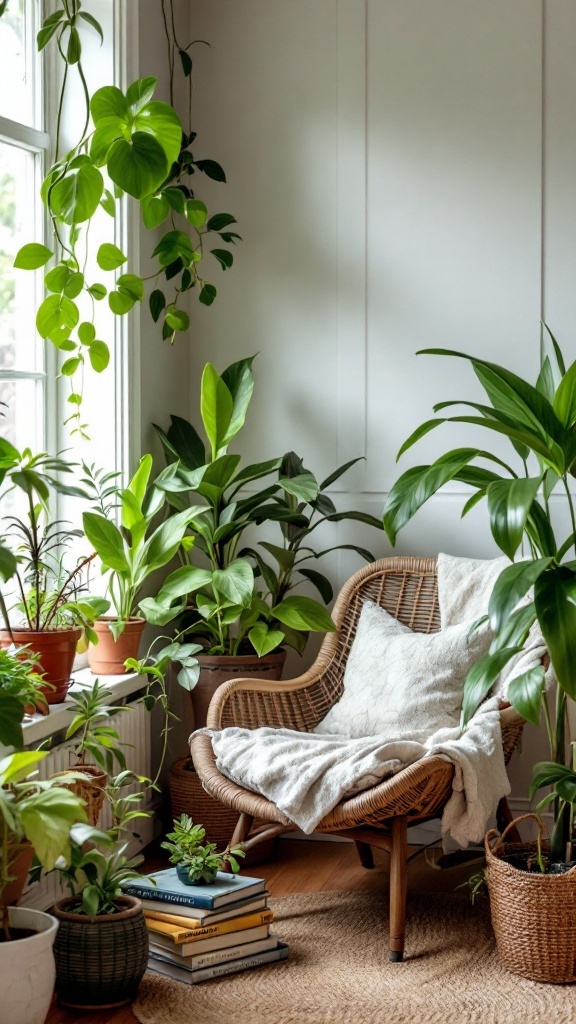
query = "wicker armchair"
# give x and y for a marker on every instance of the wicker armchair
(406, 588)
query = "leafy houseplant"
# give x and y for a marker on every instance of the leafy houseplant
(21, 691)
(50, 600)
(540, 422)
(130, 143)
(198, 864)
(101, 949)
(130, 554)
(34, 816)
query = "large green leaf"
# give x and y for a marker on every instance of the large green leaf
(255, 471)
(164, 543)
(141, 478)
(512, 585)
(481, 679)
(304, 613)
(236, 582)
(264, 639)
(76, 196)
(525, 693)
(555, 601)
(56, 314)
(46, 818)
(565, 397)
(11, 715)
(217, 406)
(321, 582)
(239, 380)
(514, 632)
(509, 503)
(161, 122)
(32, 256)
(304, 486)
(186, 441)
(138, 166)
(106, 540)
(333, 477)
(217, 476)
(417, 485)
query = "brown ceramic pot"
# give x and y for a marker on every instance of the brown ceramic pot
(107, 657)
(55, 650)
(216, 669)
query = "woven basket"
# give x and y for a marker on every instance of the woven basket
(188, 797)
(91, 791)
(100, 961)
(533, 915)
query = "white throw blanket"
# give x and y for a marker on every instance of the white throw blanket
(307, 774)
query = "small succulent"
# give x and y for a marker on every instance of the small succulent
(202, 862)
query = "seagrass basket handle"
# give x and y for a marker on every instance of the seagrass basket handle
(493, 833)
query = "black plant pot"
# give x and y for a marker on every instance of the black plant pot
(100, 961)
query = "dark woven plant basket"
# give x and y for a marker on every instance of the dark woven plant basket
(533, 914)
(100, 962)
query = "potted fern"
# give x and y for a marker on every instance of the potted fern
(539, 420)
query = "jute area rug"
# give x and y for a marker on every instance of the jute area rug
(338, 972)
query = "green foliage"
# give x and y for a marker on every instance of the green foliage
(96, 878)
(202, 862)
(41, 812)
(90, 715)
(540, 423)
(20, 686)
(131, 553)
(140, 144)
(221, 602)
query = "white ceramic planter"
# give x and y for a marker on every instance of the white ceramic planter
(27, 970)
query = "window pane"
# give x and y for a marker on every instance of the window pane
(19, 349)
(21, 412)
(18, 99)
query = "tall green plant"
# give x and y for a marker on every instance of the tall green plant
(540, 422)
(130, 143)
(224, 605)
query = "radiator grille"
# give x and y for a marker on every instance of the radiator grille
(133, 728)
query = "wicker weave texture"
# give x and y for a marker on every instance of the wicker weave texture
(188, 797)
(408, 589)
(533, 915)
(90, 790)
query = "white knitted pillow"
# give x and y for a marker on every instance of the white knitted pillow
(399, 683)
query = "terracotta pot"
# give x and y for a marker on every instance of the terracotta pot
(55, 650)
(27, 968)
(216, 669)
(108, 656)
(20, 860)
(100, 961)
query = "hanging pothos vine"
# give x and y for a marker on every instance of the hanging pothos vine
(137, 146)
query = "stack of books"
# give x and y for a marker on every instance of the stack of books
(202, 932)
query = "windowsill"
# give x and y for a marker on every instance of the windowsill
(38, 727)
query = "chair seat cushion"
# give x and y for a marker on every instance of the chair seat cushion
(400, 683)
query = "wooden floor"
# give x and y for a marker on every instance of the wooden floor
(300, 866)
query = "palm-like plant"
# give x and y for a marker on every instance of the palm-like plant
(540, 422)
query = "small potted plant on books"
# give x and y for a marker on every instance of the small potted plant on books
(198, 864)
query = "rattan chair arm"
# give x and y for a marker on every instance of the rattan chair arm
(282, 704)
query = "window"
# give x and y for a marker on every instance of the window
(23, 156)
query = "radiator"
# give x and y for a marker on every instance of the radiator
(134, 730)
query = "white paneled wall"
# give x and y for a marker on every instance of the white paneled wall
(403, 175)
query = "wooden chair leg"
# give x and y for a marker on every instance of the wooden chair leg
(503, 818)
(398, 858)
(242, 830)
(365, 854)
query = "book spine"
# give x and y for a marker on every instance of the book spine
(244, 964)
(162, 896)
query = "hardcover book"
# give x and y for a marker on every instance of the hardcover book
(194, 930)
(166, 887)
(216, 956)
(164, 942)
(245, 963)
(173, 911)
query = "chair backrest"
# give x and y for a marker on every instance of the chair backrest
(406, 587)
